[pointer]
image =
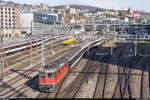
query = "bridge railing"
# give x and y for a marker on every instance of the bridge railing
(134, 37)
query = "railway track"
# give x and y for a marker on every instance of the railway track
(25, 54)
(103, 70)
(123, 89)
(26, 63)
(74, 87)
(54, 93)
(122, 75)
(102, 77)
(84, 76)
(28, 73)
(22, 64)
(58, 93)
(36, 85)
(57, 90)
(74, 94)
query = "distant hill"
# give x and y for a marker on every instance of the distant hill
(90, 8)
(93, 9)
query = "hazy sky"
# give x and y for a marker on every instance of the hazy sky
(116, 4)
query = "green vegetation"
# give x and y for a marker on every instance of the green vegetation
(143, 42)
(119, 41)
(109, 43)
(140, 44)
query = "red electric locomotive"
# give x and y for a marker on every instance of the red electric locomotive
(52, 73)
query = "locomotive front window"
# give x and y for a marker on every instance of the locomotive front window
(51, 75)
(42, 75)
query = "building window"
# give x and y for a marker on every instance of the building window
(5, 23)
(9, 35)
(49, 75)
(13, 12)
(2, 8)
(5, 15)
(9, 8)
(42, 75)
(5, 8)
(6, 35)
(13, 20)
(5, 12)
(13, 8)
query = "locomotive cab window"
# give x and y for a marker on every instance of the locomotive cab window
(51, 75)
(66, 65)
(59, 71)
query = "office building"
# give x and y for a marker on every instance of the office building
(47, 17)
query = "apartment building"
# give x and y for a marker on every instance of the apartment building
(9, 21)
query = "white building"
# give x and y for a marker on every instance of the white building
(73, 11)
(26, 19)
(44, 6)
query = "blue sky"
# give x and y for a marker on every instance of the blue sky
(116, 4)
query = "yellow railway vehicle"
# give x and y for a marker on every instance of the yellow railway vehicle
(69, 41)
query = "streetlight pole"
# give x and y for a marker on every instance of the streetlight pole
(31, 46)
(136, 45)
(2, 60)
(42, 57)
